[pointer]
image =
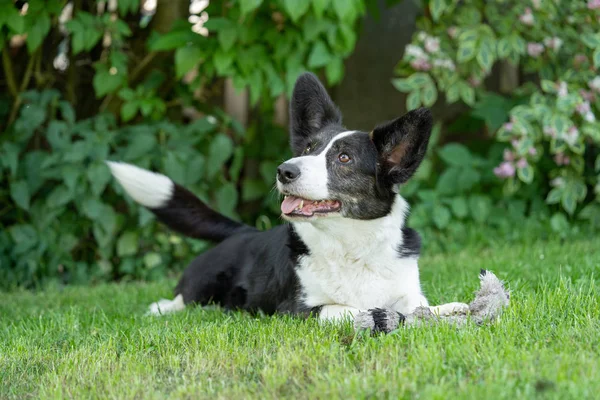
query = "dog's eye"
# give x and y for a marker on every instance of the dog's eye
(344, 158)
(307, 149)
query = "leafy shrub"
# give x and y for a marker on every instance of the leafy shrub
(548, 123)
(64, 217)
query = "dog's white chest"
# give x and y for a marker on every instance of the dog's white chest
(337, 279)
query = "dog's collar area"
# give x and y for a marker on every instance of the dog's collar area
(297, 206)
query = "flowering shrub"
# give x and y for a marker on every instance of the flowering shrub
(549, 120)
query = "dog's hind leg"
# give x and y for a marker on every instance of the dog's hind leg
(450, 309)
(335, 312)
(164, 306)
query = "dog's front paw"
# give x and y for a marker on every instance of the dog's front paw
(378, 320)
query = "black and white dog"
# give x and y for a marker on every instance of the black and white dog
(346, 247)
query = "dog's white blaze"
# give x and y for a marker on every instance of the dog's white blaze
(164, 306)
(355, 263)
(148, 188)
(313, 179)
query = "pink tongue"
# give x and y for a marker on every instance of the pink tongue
(289, 204)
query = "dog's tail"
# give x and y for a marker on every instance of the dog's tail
(175, 206)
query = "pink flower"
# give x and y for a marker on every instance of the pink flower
(508, 126)
(448, 64)
(420, 64)
(562, 89)
(587, 95)
(561, 159)
(583, 108)
(536, 4)
(432, 45)
(452, 32)
(527, 17)
(590, 117)
(522, 163)
(504, 170)
(474, 81)
(579, 59)
(532, 151)
(594, 84)
(515, 143)
(557, 182)
(414, 51)
(553, 43)
(508, 155)
(572, 135)
(593, 4)
(535, 49)
(549, 131)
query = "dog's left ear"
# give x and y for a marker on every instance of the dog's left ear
(402, 145)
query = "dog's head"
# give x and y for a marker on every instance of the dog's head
(341, 172)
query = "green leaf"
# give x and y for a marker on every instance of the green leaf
(220, 150)
(334, 70)
(448, 183)
(98, 175)
(503, 47)
(429, 95)
(466, 52)
(344, 9)
(319, 56)
(10, 157)
(469, 177)
(459, 207)
(548, 86)
(525, 174)
(456, 154)
(237, 164)
(247, 6)
(480, 207)
(597, 164)
(441, 216)
(554, 196)
(486, 56)
(419, 80)
(467, 94)
(413, 100)
(403, 85)
(85, 31)
(223, 61)
(569, 200)
(19, 191)
(141, 144)
(152, 260)
(228, 36)
(127, 6)
(38, 31)
(559, 224)
(591, 40)
(227, 198)
(186, 58)
(320, 6)
(596, 58)
(437, 8)
(129, 110)
(127, 245)
(59, 197)
(106, 82)
(296, 9)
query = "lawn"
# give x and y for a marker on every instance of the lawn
(81, 342)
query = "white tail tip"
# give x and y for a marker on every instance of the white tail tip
(148, 188)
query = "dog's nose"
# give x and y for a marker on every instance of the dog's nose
(287, 173)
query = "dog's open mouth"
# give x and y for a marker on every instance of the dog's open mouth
(297, 206)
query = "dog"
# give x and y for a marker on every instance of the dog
(345, 247)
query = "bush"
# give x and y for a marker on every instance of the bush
(548, 124)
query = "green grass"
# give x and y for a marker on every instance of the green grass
(95, 342)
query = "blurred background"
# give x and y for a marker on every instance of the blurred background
(198, 90)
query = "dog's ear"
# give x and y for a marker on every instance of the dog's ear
(402, 144)
(311, 109)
